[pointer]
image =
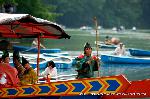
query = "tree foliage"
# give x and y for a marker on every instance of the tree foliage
(109, 12)
(36, 8)
(76, 13)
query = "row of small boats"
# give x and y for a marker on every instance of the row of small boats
(63, 60)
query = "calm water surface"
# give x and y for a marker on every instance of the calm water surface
(131, 39)
(131, 71)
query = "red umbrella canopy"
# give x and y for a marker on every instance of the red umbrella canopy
(27, 26)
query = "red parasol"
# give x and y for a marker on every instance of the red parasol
(27, 26)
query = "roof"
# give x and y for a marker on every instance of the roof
(25, 25)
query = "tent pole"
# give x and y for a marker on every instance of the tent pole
(38, 56)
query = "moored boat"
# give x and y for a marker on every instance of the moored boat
(56, 54)
(124, 59)
(35, 50)
(108, 46)
(139, 52)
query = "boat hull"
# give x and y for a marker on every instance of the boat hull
(122, 59)
(107, 46)
(139, 52)
(35, 50)
(110, 87)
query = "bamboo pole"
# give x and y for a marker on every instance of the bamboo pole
(38, 56)
(97, 48)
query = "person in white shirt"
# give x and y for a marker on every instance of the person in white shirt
(120, 50)
(35, 44)
(50, 71)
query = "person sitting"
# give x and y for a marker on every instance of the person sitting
(86, 64)
(107, 41)
(115, 41)
(35, 44)
(8, 74)
(29, 76)
(50, 71)
(17, 64)
(120, 50)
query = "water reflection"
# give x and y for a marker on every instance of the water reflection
(131, 71)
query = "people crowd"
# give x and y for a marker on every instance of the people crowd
(23, 74)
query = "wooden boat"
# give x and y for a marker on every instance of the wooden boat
(103, 87)
(124, 59)
(35, 50)
(139, 52)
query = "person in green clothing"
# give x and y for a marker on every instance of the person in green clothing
(29, 76)
(86, 63)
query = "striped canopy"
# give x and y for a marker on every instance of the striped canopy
(27, 26)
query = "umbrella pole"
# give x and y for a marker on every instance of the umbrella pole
(96, 28)
(38, 59)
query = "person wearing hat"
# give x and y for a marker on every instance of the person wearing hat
(107, 41)
(86, 63)
(29, 75)
(120, 50)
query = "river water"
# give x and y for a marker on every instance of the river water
(130, 71)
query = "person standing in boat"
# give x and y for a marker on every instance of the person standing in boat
(29, 76)
(86, 64)
(35, 44)
(120, 50)
(50, 71)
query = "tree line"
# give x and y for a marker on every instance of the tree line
(77, 13)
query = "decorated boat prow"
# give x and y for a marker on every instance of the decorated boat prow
(110, 87)
(87, 86)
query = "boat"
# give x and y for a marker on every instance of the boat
(35, 50)
(100, 88)
(103, 45)
(124, 59)
(56, 54)
(112, 46)
(60, 62)
(139, 52)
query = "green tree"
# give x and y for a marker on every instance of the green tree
(145, 13)
(76, 13)
(36, 8)
(121, 12)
